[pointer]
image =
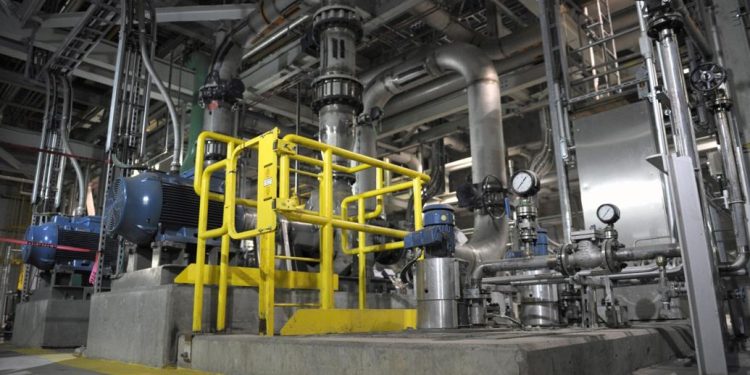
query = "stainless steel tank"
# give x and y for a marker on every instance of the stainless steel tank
(438, 290)
(539, 303)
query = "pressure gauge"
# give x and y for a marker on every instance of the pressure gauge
(525, 183)
(608, 213)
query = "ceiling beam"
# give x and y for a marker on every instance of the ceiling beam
(12, 136)
(192, 13)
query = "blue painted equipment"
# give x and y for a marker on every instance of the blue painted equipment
(155, 206)
(81, 232)
(437, 237)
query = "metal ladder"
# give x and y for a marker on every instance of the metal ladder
(98, 20)
(601, 50)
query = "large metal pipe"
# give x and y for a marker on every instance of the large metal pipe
(486, 138)
(80, 208)
(674, 80)
(485, 126)
(452, 84)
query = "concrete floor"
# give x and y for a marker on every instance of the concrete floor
(18, 361)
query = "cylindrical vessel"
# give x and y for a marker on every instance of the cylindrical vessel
(539, 303)
(438, 290)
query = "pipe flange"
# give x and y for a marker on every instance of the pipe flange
(337, 16)
(721, 103)
(610, 248)
(337, 89)
(563, 262)
(664, 21)
(526, 210)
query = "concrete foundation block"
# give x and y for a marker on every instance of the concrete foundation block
(51, 323)
(566, 351)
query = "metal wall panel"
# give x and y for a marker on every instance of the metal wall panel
(611, 149)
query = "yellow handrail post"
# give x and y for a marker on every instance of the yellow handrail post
(362, 258)
(200, 260)
(230, 188)
(418, 224)
(326, 233)
(267, 194)
(200, 255)
(221, 313)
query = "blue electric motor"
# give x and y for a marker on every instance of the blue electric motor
(154, 206)
(81, 232)
(437, 237)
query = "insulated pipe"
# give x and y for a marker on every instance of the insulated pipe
(80, 209)
(177, 129)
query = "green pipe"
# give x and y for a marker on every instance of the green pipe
(199, 64)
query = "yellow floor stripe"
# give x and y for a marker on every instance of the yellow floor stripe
(98, 365)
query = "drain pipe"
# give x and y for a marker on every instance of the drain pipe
(80, 208)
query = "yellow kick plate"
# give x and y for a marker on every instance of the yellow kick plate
(319, 322)
(247, 276)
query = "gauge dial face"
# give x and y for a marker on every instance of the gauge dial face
(608, 213)
(525, 183)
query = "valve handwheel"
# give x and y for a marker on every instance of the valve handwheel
(707, 77)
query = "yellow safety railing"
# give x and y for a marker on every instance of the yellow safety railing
(274, 197)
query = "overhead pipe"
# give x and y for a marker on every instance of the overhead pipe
(80, 208)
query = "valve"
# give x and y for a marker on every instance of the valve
(707, 77)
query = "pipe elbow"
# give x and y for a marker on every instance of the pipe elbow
(468, 60)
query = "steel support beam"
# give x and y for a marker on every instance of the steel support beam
(30, 139)
(193, 13)
(700, 270)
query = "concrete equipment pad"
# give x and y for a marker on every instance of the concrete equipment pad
(51, 323)
(561, 351)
